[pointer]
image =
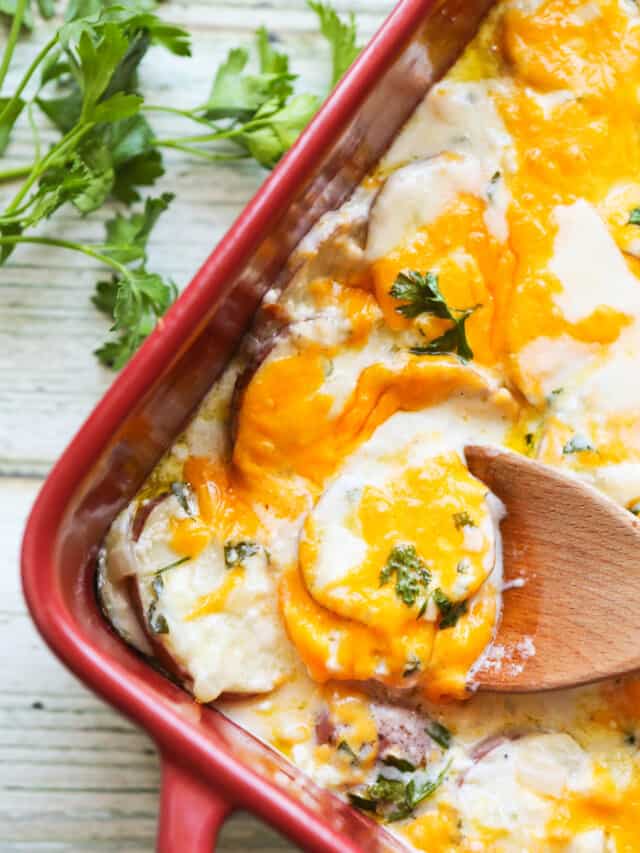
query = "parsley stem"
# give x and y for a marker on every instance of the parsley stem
(69, 141)
(198, 152)
(12, 174)
(188, 114)
(14, 33)
(229, 133)
(27, 76)
(11, 240)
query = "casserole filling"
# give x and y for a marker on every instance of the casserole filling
(314, 555)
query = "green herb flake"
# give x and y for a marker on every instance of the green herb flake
(634, 217)
(421, 294)
(413, 664)
(463, 566)
(182, 493)
(341, 35)
(491, 190)
(173, 565)
(577, 444)
(439, 733)
(634, 507)
(450, 611)
(236, 553)
(157, 620)
(343, 746)
(399, 763)
(463, 519)
(411, 573)
(395, 799)
(363, 803)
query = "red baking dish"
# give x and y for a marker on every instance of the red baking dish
(211, 766)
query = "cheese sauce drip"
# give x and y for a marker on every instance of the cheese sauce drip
(331, 557)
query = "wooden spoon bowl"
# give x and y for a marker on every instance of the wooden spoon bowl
(571, 610)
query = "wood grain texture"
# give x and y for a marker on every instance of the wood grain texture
(75, 776)
(573, 617)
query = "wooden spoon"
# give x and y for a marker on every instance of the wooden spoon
(574, 614)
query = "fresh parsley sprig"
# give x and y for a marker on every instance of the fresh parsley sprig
(258, 114)
(86, 85)
(420, 294)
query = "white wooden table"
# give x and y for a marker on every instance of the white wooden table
(74, 775)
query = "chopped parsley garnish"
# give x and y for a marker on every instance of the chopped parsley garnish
(529, 440)
(343, 746)
(399, 763)
(411, 573)
(463, 519)
(420, 293)
(413, 664)
(156, 619)
(395, 799)
(450, 611)
(492, 185)
(634, 216)
(634, 507)
(182, 493)
(463, 566)
(173, 565)
(362, 803)
(439, 733)
(237, 552)
(577, 444)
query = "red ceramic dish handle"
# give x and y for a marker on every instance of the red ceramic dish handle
(191, 813)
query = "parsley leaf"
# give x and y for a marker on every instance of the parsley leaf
(399, 763)
(173, 565)
(439, 733)
(135, 300)
(421, 294)
(634, 217)
(450, 611)
(453, 341)
(411, 573)
(127, 236)
(182, 493)
(396, 799)
(341, 36)
(275, 128)
(343, 746)
(236, 553)
(463, 519)
(238, 95)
